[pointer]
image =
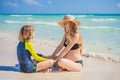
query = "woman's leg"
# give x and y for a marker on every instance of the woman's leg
(69, 65)
(44, 65)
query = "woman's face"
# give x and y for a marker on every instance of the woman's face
(66, 26)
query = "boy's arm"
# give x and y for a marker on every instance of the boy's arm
(30, 48)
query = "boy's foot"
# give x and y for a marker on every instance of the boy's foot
(48, 71)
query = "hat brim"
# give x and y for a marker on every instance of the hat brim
(61, 23)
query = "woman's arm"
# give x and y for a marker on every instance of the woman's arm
(68, 47)
(59, 47)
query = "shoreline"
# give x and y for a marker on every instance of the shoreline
(94, 68)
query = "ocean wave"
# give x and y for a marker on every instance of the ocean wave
(11, 21)
(82, 16)
(29, 18)
(20, 15)
(30, 22)
(103, 20)
(100, 27)
(47, 23)
(96, 27)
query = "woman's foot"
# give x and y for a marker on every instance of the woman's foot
(60, 70)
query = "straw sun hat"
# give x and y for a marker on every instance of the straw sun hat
(68, 18)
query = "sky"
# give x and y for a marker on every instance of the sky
(59, 6)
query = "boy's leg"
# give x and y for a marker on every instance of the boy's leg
(44, 65)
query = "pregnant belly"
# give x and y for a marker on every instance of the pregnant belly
(74, 56)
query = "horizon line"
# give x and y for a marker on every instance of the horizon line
(59, 13)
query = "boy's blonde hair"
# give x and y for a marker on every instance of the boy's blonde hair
(26, 33)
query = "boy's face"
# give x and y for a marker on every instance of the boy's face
(33, 34)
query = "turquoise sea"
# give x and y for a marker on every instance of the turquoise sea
(101, 33)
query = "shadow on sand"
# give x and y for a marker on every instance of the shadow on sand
(15, 68)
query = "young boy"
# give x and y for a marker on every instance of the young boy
(25, 50)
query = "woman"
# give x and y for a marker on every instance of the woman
(69, 57)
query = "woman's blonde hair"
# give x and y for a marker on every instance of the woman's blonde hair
(26, 33)
(72, 30)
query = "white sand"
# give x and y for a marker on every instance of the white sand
(94, 69)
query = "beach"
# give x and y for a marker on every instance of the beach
(94, 68)
(97, 21)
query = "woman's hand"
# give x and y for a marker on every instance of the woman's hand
(52, 57)
(49, 57)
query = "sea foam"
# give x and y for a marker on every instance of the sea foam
(30, 22)
(101, 56)
(103, 19)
